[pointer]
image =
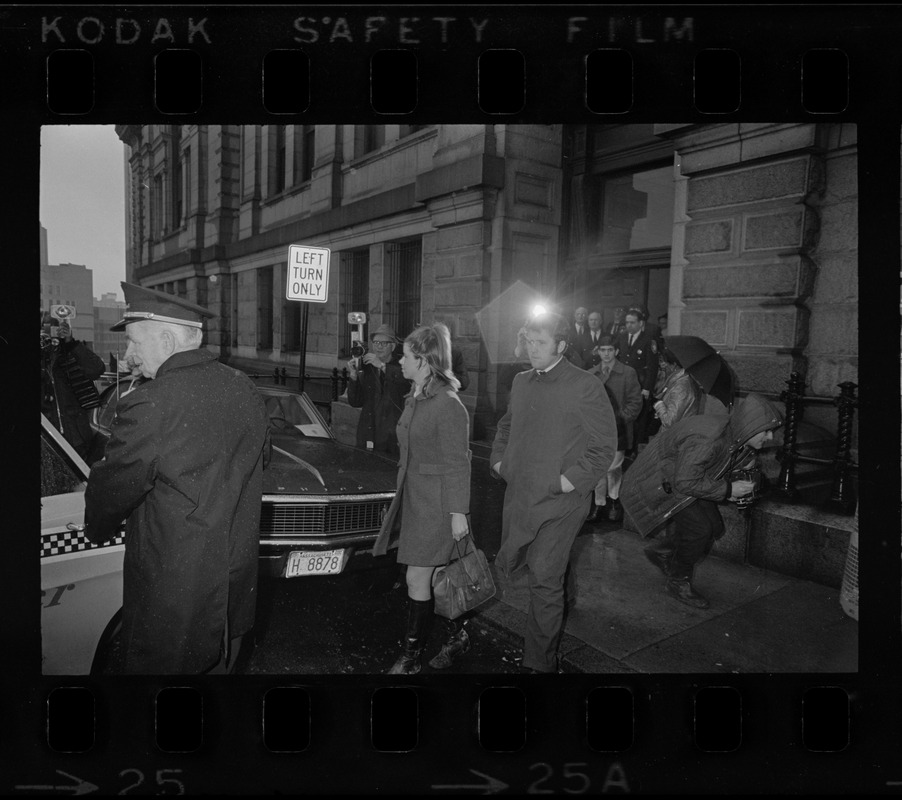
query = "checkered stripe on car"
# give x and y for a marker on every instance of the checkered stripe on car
(55, 544)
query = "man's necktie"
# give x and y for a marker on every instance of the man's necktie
(605, 372)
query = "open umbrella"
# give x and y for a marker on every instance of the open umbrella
(704, 364)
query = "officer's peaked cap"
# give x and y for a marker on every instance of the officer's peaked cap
(149, 304)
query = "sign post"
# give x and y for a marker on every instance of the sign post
(307, 281)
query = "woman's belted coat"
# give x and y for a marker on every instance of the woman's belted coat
(433, 476)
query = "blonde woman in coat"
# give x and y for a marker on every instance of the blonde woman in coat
(433, 489)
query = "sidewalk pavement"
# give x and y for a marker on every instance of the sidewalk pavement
(624, 621)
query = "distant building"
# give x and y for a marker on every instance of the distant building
(71, 285)
(107, 312)
(44, 258)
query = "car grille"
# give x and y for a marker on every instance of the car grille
(321, 519)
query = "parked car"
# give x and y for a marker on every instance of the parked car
(81, 583)
(323, 501)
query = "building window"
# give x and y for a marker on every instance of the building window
(277, 160)
(291, 326)
(291, 319)
(302, 166)
(637, 211)
(181, 288)
(354, 293)
(404, 262)
(368, 138)
(157, 206)
(264, 308)
(186, 184)
(177, 178)
(233, 305)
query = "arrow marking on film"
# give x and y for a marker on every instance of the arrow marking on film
(492, 787)
(82, 787)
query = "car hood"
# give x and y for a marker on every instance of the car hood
(344, 469)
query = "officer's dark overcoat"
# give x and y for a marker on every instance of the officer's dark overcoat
(184, 466)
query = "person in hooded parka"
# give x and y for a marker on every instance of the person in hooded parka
(684, 473)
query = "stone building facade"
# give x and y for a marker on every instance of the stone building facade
(762, 256)
(743, 233)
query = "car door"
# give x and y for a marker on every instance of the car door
(81, 583)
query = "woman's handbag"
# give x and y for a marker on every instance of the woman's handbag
(462, 584)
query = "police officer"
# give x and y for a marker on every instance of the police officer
(184, 467)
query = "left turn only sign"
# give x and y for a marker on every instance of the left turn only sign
(308, 273)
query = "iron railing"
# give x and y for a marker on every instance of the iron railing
(842, 495)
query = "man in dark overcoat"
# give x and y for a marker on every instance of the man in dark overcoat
(635, 349)
(377, 387)
(556, 440)
(183, 466)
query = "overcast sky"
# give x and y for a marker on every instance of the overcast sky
(83, 200)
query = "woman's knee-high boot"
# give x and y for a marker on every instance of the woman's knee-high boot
(419, 619)
(458, 642)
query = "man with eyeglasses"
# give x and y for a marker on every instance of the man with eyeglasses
(378, 387)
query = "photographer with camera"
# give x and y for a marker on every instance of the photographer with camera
(378, 387)
(68, 369)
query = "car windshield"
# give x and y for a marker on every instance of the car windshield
(294, 414)
(288, 412)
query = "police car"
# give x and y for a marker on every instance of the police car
(81, 583)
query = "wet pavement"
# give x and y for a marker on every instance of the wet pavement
(624, 622)
(352, 624)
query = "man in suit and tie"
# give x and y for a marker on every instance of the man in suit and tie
(579, 338)
(590, 357)
(634, 348)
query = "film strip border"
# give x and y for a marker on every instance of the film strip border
(446, 63)
(571, 734)
(61, 542)
(576, 737)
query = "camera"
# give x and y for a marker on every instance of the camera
(756, 477)
(50, 334)
(358, 345)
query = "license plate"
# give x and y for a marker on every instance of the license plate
(314, 562)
